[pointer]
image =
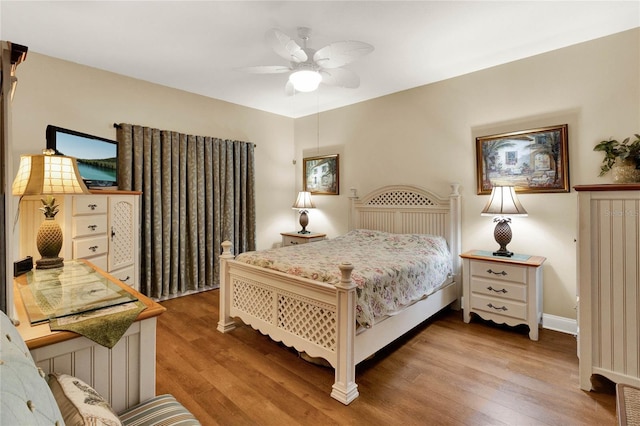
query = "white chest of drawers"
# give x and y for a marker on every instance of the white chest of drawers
(502, 289)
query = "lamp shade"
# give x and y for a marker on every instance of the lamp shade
(305, 80)
(503, 202)
(48, 174)
(303, 201)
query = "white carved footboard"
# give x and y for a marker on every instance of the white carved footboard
(311, 317)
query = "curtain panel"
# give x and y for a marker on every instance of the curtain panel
(197, 191)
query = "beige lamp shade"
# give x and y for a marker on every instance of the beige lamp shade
(503, 202)
(48, 174)
(304, 201)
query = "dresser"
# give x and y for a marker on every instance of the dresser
(609, 283)
(506, 290)
(294, 238)
(102, 227)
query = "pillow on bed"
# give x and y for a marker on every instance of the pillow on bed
(79, 403)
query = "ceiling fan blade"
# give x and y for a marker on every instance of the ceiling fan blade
(265, 69)
(284, 46)
(341, 53)
(288, 89)
(340, 77)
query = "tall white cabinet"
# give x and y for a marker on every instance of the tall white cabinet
(103, 227)
(609, 283)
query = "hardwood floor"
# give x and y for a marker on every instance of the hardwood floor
(445, 372)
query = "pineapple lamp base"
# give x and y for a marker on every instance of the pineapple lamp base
(49, 238)
(49, 263)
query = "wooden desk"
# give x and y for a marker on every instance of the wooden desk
(125, 375)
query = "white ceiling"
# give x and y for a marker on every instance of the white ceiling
(197, 45)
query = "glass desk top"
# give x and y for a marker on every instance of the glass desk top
(71, 290)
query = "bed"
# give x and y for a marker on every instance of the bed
(324, 319)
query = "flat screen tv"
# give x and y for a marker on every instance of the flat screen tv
(97, 157)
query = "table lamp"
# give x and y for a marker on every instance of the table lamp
(303, 203)
(49, 175)
(503, 202)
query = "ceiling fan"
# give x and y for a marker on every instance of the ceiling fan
(308, 67)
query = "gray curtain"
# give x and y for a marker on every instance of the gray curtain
(196, 193)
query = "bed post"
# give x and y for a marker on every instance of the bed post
(455, 239)
(225, 323)
(345, 388)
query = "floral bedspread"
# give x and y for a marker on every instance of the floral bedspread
(390, 270)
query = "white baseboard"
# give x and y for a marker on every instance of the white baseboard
(564, 325)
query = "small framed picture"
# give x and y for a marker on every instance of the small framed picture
(321, 175)
(535, 160)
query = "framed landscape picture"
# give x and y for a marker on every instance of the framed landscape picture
(535, 160)
(321, 175)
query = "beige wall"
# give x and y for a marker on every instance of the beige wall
(426, 136)
(53, 91)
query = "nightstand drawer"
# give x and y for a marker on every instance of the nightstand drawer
(291, 241)
(499, 289)
(502, 307)
(499, 271)
(294, 238)
(89, 247)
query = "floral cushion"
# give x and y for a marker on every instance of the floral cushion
(25, 398)
(79, 403)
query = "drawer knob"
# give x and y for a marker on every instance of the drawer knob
(93, 248)
(497, 308)
(503, 273)
(502, 290)
(92, 227)
(125, 279)
(294, 242)
(92, 206)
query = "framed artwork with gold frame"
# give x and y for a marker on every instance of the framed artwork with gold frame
(535, 160)
(321, 175)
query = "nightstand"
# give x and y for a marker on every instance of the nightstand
(506, 290)
(293, 238)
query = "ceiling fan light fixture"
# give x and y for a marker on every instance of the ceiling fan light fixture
(305, 80)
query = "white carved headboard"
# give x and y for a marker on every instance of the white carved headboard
(408, 209)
